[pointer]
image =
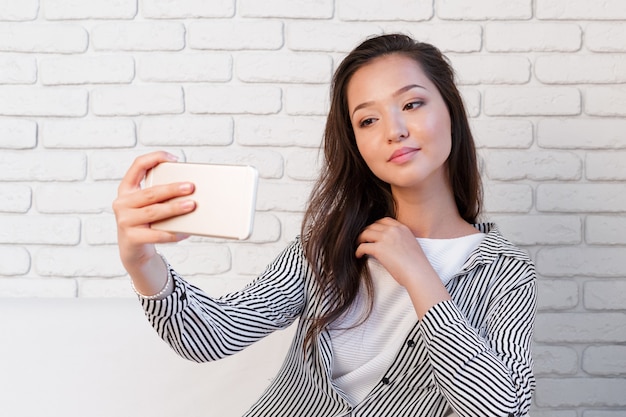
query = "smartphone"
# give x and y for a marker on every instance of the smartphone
(225, 197)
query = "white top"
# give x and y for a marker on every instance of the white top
(362, 354)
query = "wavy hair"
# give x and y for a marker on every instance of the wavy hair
(347, 196)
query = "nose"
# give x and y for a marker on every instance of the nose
(397, 129)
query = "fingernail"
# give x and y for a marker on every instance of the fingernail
(187, 204)
(186, 187)
(171, 157)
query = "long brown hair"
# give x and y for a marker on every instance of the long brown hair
(348, 196)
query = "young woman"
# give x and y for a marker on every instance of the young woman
(407, 306)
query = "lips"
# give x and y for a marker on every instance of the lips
(402, 154)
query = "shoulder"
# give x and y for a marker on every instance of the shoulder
(498, 251)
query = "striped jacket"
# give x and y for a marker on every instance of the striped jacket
(470, 354)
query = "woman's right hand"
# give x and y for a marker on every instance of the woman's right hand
(135, 208)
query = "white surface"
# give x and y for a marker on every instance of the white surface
(100, 357)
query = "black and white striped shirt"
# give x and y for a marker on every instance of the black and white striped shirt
(470, 354)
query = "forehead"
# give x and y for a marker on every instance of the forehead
(383, 76)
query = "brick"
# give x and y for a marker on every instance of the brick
(236, 99)
(17, 134)
(291, 225)
(283, 68)
(328, 36)
(580, 327)
(605, 295)
(18, 69)
(581, 133)
(318, 9)
(581, 197)
(94, 9)
(471, 100)
(581, 69)
(484, 10)
(100, 230)
(605, 166)
(557, 294)
(268, 162)
(15, 198)
(88, 133)
(42, 166)
(19, 10)
(306, 100)
(524, 164)
(186, 131)
(137, 100)
(511, 134)
(448, 37)
(87, 70)
(75, 198)
(253, 259)
(205, 259)
(279, 131)
(525, 37)
(38, 287)
(480, 69)
(581, 9)
(39, 230)
(14, 261)
(185, 67)
(532, 101)
(605, 37)
(236, 35)
(266, 229)
(60, 38)
(581, 261)
(304, 164)
(35, 101)
(409, 10)
(605, 360)
(578, 392)
(555, 360)
(138, 36)
(606, 101)
(98, 262)
(605, 230)
(541, 229)
(282, 196)
(167, 9)
(508, 198)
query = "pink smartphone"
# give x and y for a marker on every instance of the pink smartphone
(225, 197)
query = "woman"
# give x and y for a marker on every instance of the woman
(406, 305)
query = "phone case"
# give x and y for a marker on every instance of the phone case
(225, 197)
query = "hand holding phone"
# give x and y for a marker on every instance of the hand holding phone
(225, 197)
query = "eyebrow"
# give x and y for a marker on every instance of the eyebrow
(397, 93)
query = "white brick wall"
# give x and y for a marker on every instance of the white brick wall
(86, 86)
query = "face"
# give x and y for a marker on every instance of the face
(401, 123)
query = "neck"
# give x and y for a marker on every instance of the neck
(431, 214)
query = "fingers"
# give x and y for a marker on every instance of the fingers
(129, 217)
(139, 168)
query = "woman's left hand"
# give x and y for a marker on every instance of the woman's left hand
(394, 246)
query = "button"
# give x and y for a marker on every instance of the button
(410, 343)
(385, 381)
(183, 297)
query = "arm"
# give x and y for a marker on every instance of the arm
(486, 374)
(201, 328)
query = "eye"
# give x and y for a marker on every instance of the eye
(366, 122)
(413, 105)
